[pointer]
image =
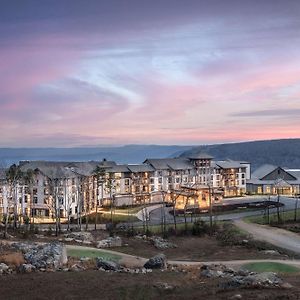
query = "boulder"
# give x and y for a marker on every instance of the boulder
(77, 268)
(271, 252)
(164, 286)
(262, 279)
(161, 243)
(4, 268)
(27, 268)
(52, 255)
(107, 265)
(156, 262)
(265, 279)
(110, 242)
(80, 237)
(217, 270)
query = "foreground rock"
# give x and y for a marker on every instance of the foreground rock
(46, 256)
(156, 262)
(265, 279)
(110, 242)
(27, 268)
(84, 237)
(4, 268)
(107, 265)
(241, 278)
(161, 243)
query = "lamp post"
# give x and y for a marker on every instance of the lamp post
(210, 209)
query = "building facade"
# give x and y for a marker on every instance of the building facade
(70, 189)
(274, 180)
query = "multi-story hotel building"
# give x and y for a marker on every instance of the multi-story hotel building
(72, 188)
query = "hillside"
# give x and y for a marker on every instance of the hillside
(285, 152)
(124, 154)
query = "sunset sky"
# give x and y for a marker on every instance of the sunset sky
(114, 72)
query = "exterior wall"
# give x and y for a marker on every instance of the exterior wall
(232, 180)
(78, 196)
(270, 189)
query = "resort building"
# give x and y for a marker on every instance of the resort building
(274, 180)
(70, 189)
(231, 176)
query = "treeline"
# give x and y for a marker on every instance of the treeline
(284, 153)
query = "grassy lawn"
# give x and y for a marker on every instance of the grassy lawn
(285, 216)
(106, 218)
(271, 267)
(130, 210)
(92, 254)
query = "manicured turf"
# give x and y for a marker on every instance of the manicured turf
(285, 217)
(271, 267)
(93, 254)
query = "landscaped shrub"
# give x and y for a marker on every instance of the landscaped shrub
(200, 228)
(231, 235)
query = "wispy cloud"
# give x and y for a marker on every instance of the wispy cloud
(269, 113)
(148, 71)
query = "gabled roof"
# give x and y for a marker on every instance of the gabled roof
(260, 176)
(169, 163)
(140, 168)
(118, 169)
(229, 164)
(60, 169)
(294, 172)
(200, 155)
(263, 171)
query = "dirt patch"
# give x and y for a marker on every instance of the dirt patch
(163, 285)
(12, 259)
(193, 248)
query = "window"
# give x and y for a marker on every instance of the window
(61, 200)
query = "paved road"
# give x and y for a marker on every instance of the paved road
(289, 204)
(276, 236)
(156, 211)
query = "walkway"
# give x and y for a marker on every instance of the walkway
(276, 236)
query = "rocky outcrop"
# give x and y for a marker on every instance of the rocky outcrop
(27, 268)
(107, 265)
(83, 237)
(4, 268)
(46, 256)
(110, 242)
(161, 243)
(241, 278)
(156, 262)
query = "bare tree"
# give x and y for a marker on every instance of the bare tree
(53, 201)
(14, 176)
(99, 172)
(174, 198)
(29, 179)
(296, 207)
(67, 204)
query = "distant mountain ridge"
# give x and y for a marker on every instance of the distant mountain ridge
(123, 154)
(283, 152)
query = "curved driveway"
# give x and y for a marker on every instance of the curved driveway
(276, 236)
